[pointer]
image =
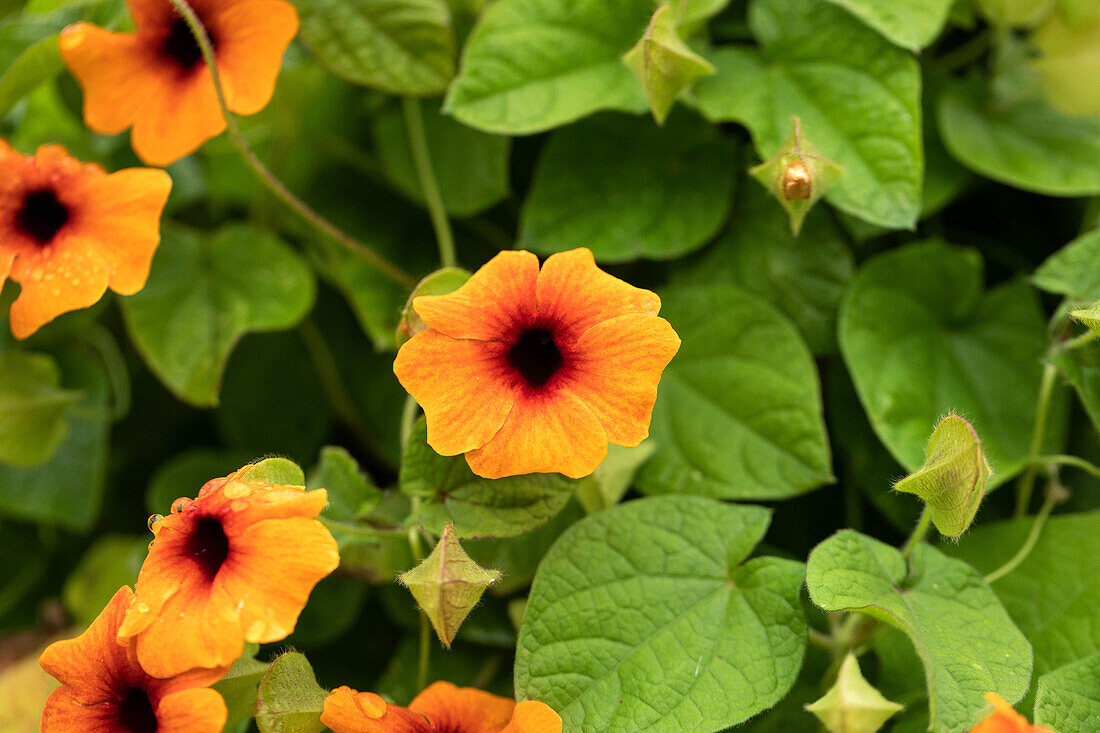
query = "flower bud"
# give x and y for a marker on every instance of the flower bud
(1089, 316)
(852, 705)
(442, 281)
(952, 480)
(448, 584)
(798, 175)
(664, 64)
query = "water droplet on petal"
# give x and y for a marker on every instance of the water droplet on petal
(237, 490)
(180, 504)
(141, 607)
(373, 705)
(153, 519)
(239, 506)
(255, 631)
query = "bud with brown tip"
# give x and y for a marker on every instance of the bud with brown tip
(798, 175)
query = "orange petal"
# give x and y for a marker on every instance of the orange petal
(6, 259)
(178, 119)
(297, 551)
(252, 38)
(63, 713)
(85, 664)
(348, 711)
(240, 504)
(574, 294)
(460, 383)
(199, 710)
(551, 431)
(1005, 719)
(67, 275)
(615, 367)
(117, 72)
(532, 716)
(497, 300)
(123, 212)
(467, 709)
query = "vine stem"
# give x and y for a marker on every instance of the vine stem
(418, 143)
(276, 186)
(1071, 461)
(425, 626)
(1027, 482)
(918, 533)
(1029, 543)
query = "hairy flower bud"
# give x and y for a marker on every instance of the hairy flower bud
(798, 175)
(952, 480)
(442, 281)
(852, 705)
(1089, 316)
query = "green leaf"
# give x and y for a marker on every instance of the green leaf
(1026, 145)
(351, 494)
(643, 617)
(479, 508)
(275, 471)
(32, 408)
(68, 488)
(403, 47)
(857, 95)
(921, 339)
(185, 473)
(530, 65)
(1074, 270)
(738, 414)
(36, 65)
(1054, 594)
(289, 700)
(663, 63)
(205, 291)
(1081, 368)
(679, 192)
(804, 277)
(470, 166)
(1015, 12)
(911, 24)
(239, 686)
(964, 637)
(112, 562)
(1068, 700)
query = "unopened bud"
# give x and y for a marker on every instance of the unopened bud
(664, 64)
(952, 480)
(798, 175)
(441, 282)
(448, 584)
(1089, 316)
(852, 705)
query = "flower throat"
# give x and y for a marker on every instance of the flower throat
(181, 46)
(135, 712)
(42, 216)
(535, 356)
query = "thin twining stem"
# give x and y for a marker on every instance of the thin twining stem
(1032, 538)
(276, 186)
(433, 199)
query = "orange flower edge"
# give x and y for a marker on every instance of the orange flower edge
(69, 230)
(440, 708)
(235, 564)
(1004, 719)
(529, 370)
(156, 82)
(103, 687)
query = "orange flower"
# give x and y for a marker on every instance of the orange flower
(236, 564)
(440, 708)
(155, 80)
(104, 689)
(530, 371)
(68, 231)
(1006, 720)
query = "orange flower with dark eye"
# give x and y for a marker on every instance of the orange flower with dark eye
(104, 689)
(535, 371)
(156, 81)
(1006, 720)
(440, 708)
(68, 231)
(236, 564)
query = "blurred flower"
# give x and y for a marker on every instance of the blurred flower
(156, 80)
(236, 564)
(104, 688)
(68, 231)
(440, 708)
(535, 371)
(1005, 720)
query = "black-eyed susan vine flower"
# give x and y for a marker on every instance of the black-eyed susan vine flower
(534, 371)
(156, 82)
(235, 564)
(440, 708)
(1004, 719)
(104, 688)
(69, 230)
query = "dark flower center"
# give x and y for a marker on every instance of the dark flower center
(209, 546)
(181, 46)
(535, 356)
(135, 712)
(42, 215)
